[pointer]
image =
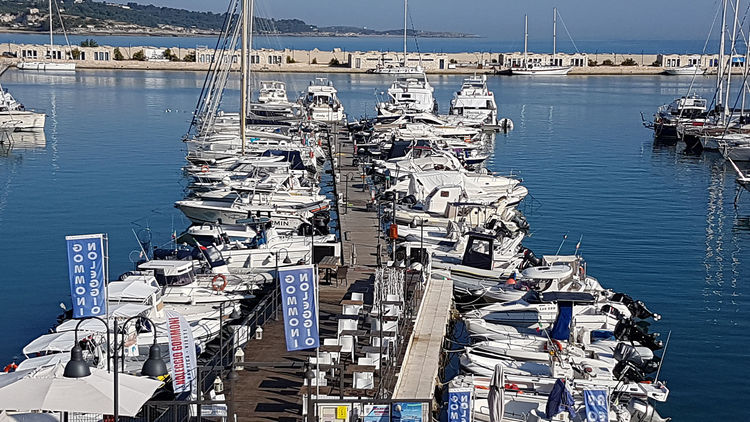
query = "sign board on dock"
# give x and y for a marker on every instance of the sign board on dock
(459, 405)
(181, 352)
(86, 269)
(597, 405)
(298, 298)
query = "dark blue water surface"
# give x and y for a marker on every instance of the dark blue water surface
(425, 45)
(656, 223)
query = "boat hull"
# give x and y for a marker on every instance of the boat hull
(542, 71)
(22, 120)
(47, 67)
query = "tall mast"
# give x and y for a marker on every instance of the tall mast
(525, 40)
(731, 55)
(51, 41)
(720, 70)
(405, 11)
(554, 36)
(243, 76)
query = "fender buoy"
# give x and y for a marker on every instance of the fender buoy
(219, 287)
(393, 231)
(204, 169)
(512, 387)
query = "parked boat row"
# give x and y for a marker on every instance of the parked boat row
(541, 330)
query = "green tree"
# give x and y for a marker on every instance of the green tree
(314, 61)
(629, 62)
(139, 55)
(592, 63)
(89, 42)
(75, 54)
(171, 56)
(118, 55)
(289, 59)
(189, 57)
(334, 62)
(607, 62)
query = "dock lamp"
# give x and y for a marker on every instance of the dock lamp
(77, 367)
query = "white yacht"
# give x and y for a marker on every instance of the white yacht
(59, 63)
(272, 92)
(409, 93)
(541, 70)
(689, 70)
(14, 116)
(474, 104)
(322, 102)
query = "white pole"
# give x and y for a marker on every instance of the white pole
(731, 56)
(51, 41)
(720, 70)
(554, 36)
(406, 2)
(525, 40)
(243, 75)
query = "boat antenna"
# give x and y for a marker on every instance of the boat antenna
(578, 245)
(565, 236)
(664, 353)
(140, 244)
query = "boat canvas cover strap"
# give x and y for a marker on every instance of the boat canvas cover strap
(561, 327)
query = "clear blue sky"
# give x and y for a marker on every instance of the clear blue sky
(498, 19)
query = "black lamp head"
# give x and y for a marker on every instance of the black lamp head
(154, 365)
(287, 260)
(76, 367)
(233, 375)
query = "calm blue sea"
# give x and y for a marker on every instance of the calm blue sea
(425, 45)
(656, 223)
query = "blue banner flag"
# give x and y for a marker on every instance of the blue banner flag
(459, 405)
(298, 302)
(597, 405)
(86, 271)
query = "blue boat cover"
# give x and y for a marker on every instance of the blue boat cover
(561, 327)
(560, 400)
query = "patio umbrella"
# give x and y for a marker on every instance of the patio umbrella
(496, 395)
(46, 389)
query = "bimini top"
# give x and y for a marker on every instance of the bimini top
(168, 267)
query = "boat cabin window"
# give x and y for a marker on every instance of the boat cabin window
(478, 253)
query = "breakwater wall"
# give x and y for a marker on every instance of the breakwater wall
(338, 60)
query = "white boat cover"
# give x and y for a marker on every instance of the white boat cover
(133, 287)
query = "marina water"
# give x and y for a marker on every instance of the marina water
(655, 222)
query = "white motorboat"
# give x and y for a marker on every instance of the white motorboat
(735, 146)
(473, 104)
(688, 70)
(14, 116)
(322, 102)
(410, 93)
(689, 110)
(287, 218)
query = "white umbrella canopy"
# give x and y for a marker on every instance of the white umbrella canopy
(496, 396)
(46, 389)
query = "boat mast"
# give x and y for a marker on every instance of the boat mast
(554, 36)
(720, 70)
(51, 41)
(731, 56)
(243, 75)
(525, 40)
(405, 11)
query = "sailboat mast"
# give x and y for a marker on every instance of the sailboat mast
(243, 75)
(525, 40)
(720, 70)
(554, 36)
(51, 41)
(406, 2)
(731, 54)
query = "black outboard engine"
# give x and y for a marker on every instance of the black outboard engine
(529, 259)
(636, 307)
(631, 366)
(320, 222)
(408, 200)
(628, 330)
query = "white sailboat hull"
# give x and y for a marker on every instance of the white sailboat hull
(47, 67)
(22, 120)
(543, 71)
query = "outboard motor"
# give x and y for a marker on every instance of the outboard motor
(636, 307)
(627, 330)
(529, 259)
(320, 221)
(643, 411)
(631, 367)
(408, 200)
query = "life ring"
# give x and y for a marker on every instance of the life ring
(10, 367)
(217, 287)
(204, 169)
(557, 344)
(582, 273)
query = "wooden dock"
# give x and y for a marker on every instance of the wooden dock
(272, 391)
